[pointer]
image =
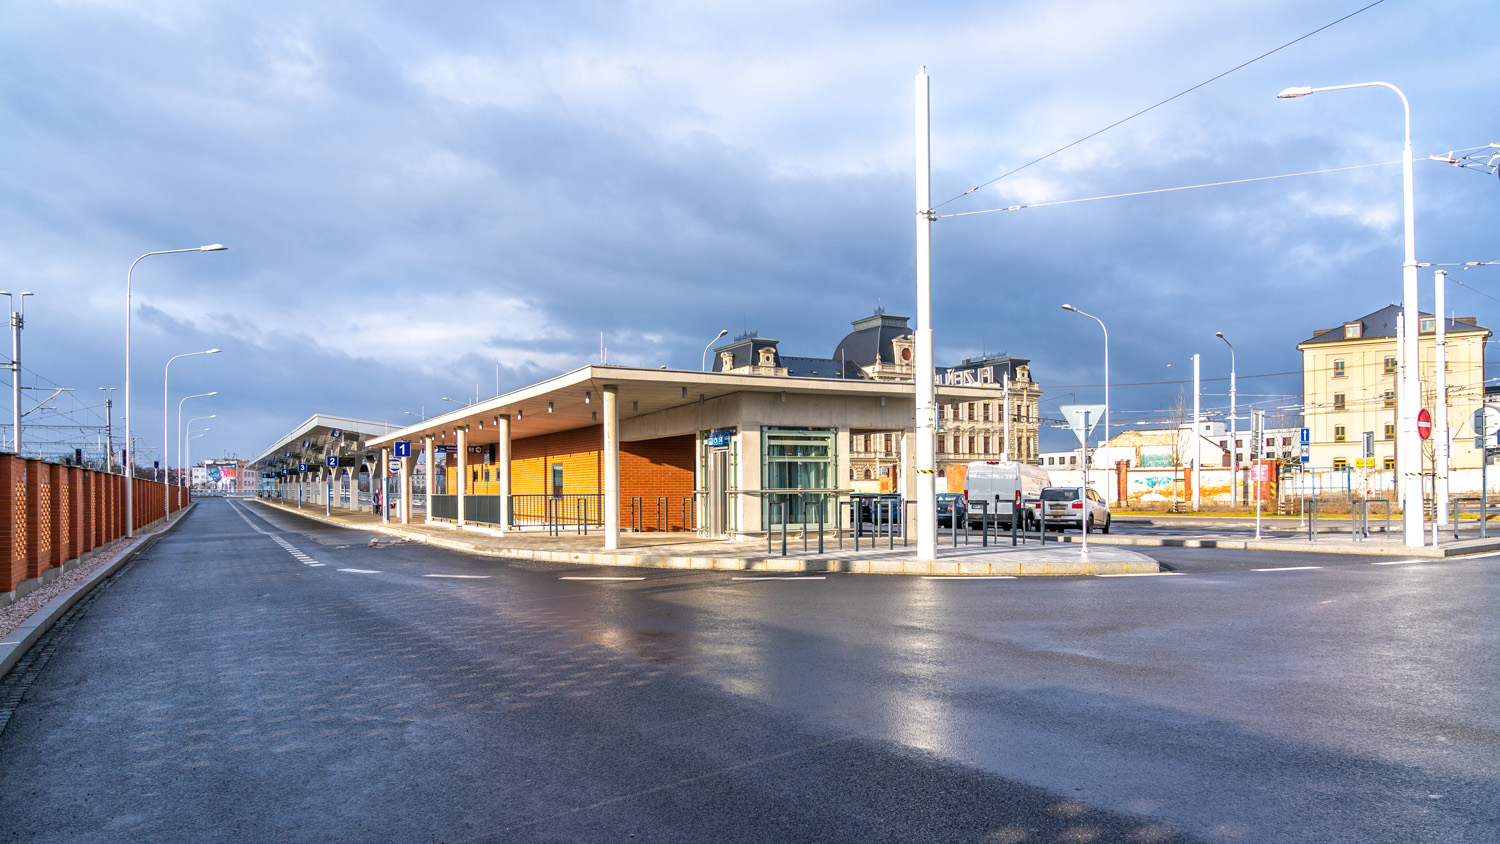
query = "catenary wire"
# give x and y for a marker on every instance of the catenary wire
(1158, 105)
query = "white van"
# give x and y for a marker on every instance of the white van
(996, 482)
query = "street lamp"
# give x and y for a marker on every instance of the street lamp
(180, 464)
(129, 447)
(1409, 445)
(455, 401)
(703, 367)
(17, 322)
(166, 464)
(188, 447)
(1106, 385)
(1234, 498)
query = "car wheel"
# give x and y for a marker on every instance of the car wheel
(1106, 524)
(1088, 525)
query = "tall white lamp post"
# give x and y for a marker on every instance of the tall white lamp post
(1234, 461)
(703, 367)
(166, 420)
(1409, 444)
(188, 446)
(922, 373)
(1106, 377)
(129, 420)
(180, 464)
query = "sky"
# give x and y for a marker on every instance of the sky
(424, 201)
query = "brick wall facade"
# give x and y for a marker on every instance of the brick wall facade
(51, 515)
(649, 469)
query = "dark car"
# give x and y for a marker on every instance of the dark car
(950, 504)
(869, 507)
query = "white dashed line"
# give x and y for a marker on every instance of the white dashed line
(360, 571)
(1291, 568)
(285, 546)
(600, 578)
(968, 577)
(789, 577)
(1144, 574)
(461, 576)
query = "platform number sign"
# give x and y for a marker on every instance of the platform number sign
(403, 448)
(332, 460)
(302, 467)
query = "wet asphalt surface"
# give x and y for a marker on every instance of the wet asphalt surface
(256, 677)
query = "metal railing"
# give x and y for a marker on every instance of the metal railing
(557, 512)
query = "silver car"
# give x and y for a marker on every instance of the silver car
(1075, 507)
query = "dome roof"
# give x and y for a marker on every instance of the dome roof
(870, 341)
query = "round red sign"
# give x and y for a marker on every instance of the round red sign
(1424, 423)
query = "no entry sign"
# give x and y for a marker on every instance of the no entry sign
(1424, 423)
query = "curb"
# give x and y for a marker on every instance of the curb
(1460, 548)
(26, 634)
(887, 565)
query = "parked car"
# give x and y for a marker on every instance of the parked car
(1075, 507)
(996, 482)
(950, 505)
(868, 506)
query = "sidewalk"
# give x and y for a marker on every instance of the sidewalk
(687, 551)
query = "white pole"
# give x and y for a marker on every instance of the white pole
(1441, 455)
(926, 392)
(1197, 439)
(1085, 492)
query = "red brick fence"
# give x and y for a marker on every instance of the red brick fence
(51, 515)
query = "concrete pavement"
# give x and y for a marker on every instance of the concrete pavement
(686, 551)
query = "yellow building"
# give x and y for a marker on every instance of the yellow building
(1349, 387)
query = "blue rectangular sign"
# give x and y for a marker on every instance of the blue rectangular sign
(403, 449)
(719, 438)
(333, 461)
(1306, 436)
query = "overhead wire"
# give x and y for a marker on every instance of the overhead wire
(1158, 105)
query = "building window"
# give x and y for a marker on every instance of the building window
(1340, 463)
(1390, 365)
(1390, 464)
(986, 445)
(1338, 433)
(1338, 369)
(1389, 399)
(1338, 401)
(971, 437)
(1427, 325)
(1223, 443)
(971, 411)
(887, 443)
(1286, 441)
(986, 413)
(1351, 330)
(1390, 430)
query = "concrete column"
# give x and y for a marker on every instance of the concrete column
(463, 470)
(385, 469)
(611, 467)
(502, 467)
(429, 465)
(328, 490)
(406, 490)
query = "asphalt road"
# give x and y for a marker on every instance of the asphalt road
(260, 677)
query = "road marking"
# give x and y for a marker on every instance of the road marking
(1144, 574)
(968, 577)
(788, 577)
(461, 576)
(1399, 562)
(360, 571)
(1291, 568)
(579, 577)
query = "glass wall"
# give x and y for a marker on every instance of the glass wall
(798, 468)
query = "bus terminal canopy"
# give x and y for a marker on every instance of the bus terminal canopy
(311, 443)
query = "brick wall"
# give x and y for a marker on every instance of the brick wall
(653, 469)
(649, 469)
(52, 514)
